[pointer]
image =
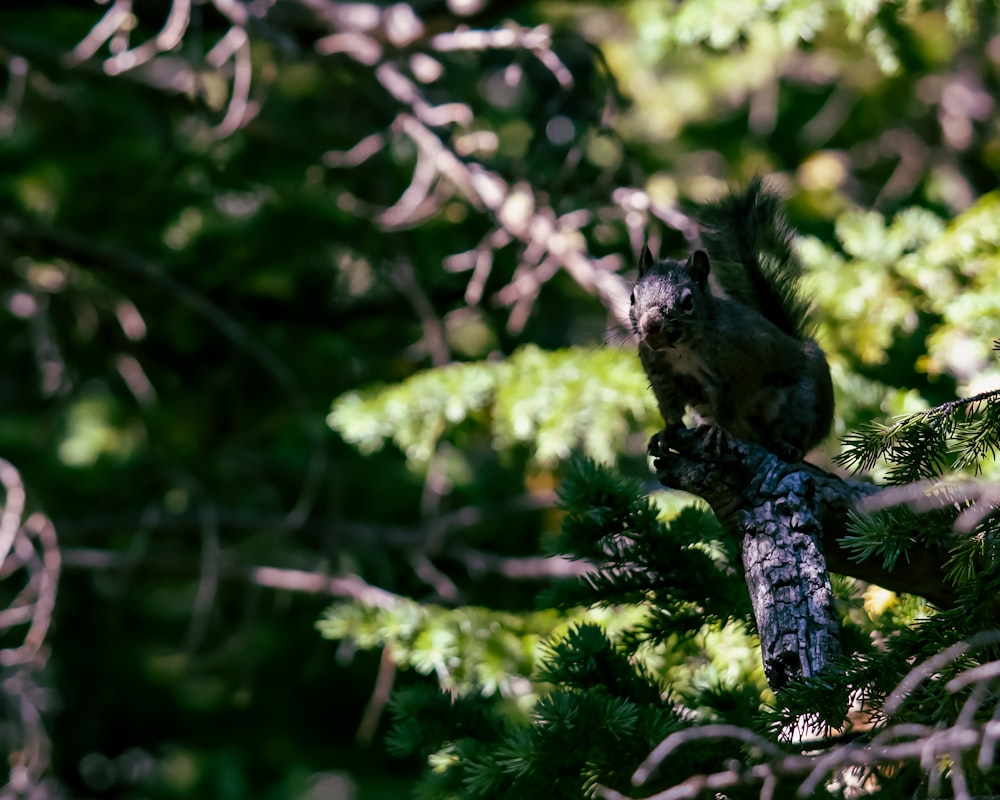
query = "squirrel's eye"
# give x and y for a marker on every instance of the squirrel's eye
(631, 297)
(687, 302)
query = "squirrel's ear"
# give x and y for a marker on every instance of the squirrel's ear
(698, 267)
(645, 260)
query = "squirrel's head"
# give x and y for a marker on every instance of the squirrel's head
(669, 296)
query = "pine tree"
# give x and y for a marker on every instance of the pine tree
(650, 677)
(637, 650)
(601, 703)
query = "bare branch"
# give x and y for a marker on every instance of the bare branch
(405, 91)
(105, 28)
(356, 155)
(168, 38)
(13, 508)
(366, 50)
(433, 533)
(981, 498)
(988, 748)
(236, 45)
(44, 581)
(53, 375)
(480, 261)
(537, 41)
(516, 213)
(926, 669)
(434, 340)
(208, 578)
(731, 487)
(479, 562)
(776, 514)
(17, 80)
(652, 762)
(350, 586)
(233, 10)
(903, 742)
(415, 205)
(29, 549)
(443, 586)
(380, 698)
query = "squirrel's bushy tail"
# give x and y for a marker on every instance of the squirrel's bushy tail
(750, 246)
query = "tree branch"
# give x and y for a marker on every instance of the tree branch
(733, 486)
(789, 519)
(974, 733)
(304, 581)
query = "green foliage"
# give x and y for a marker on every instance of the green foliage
(180, 303)
(870, 677)
(678, 568)
(959, 435)
(609, 714)
(924, 672)
(585, 659)
(467, 649)
(871, 277)
(595, 682)
(889, 534)
(914, 265)
(550, 402)
(920, 291)
(723, 24)
(679, 574)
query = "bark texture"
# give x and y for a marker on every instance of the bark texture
(789, 519)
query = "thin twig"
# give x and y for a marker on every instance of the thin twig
(652, 762)
(169, 37)
(233, 10)
(932, 665)
(105, 28)
(380, 698)
(433, 533)
(537, 40)
(425, 569)
(237, 43)
(208, 578)
(40, 528)
(13, 507)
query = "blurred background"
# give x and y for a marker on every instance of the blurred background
(225, 225)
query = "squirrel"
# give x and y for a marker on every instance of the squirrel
(727, 330)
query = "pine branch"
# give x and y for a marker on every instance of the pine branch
(553, 403)
(677, 569)
(959, 434)
(964, 515)
(889, 534)
(586, 659)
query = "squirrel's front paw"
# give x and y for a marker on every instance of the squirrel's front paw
(659, 442)
(710, 443)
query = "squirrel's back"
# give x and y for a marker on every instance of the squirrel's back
(750, 246)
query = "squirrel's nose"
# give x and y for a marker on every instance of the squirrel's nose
(654, 322)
